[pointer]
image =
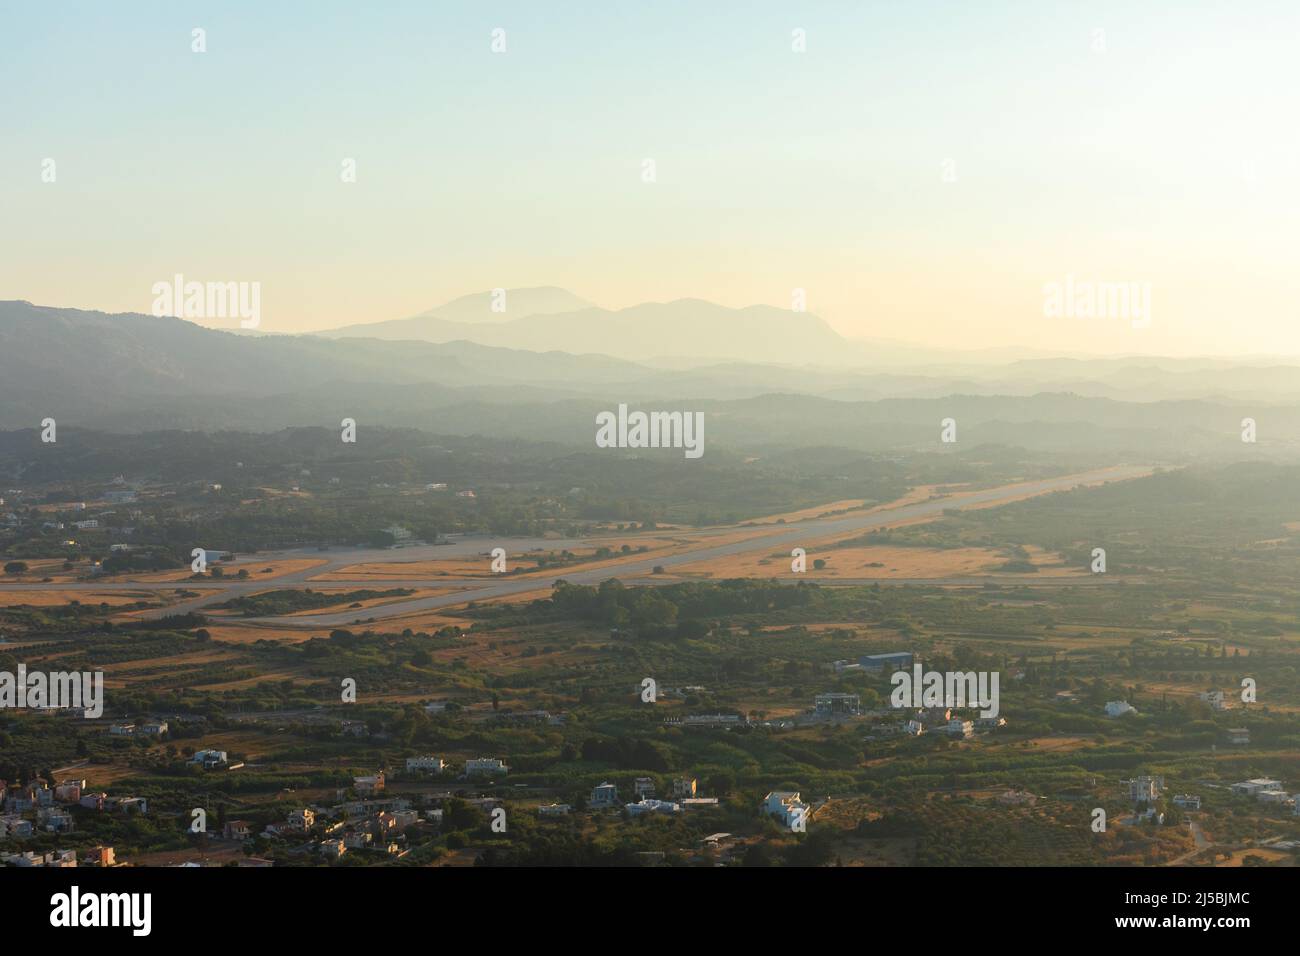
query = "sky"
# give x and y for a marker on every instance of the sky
(923, 171)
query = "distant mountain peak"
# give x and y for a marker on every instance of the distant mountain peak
(480, 307)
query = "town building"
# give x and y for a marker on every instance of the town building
(427, 764)
(1248, 788)
(836, 705)
(652, 806)
(785, 806)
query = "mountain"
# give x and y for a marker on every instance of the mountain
(685, 328)
(477, 307)
(111, 370)
(133, 373)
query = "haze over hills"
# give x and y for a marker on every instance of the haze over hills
(133, 372)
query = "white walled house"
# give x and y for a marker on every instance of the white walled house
(605, 795)
(425, 764)
(1248, 788)
(1145, 788)
(652, 806)
(785, 806)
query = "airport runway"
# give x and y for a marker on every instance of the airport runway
(634, 570)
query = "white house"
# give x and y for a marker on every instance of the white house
(961, 728)
(1248, 788)
(209, 758)
(554, 810)
(605, 795)
(1214, 698)
(644, 787)
(785, 805)
(1118, 708)
(1187, 801)
(652, 806)
(425, 764)
(1145, 788)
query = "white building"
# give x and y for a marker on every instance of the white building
(961, 728)
(1145, 788)
(484, 765)
(425, 764)
(785, 805)
(1214, 698)
(1187, 801)
(643, 787)
(652, 806)
(605, 795)
(1248, 788)
(554, 810)
(684, 787)
(209, 758)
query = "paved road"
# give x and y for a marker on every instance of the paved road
(764, 539)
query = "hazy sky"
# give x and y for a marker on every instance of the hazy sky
(1162, 151)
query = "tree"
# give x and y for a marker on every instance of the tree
(16, 567)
